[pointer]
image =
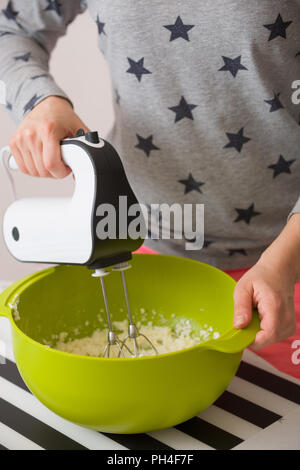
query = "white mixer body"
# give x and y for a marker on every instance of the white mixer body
(55, 230)
(63, 230)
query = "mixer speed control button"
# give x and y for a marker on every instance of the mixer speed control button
(92, 137)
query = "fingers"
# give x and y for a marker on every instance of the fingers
(37, 154)
(17, 154)
(52, 157)
(277, 319)
(243, 295)
(261, 340)
(25, 146)
(28, 161)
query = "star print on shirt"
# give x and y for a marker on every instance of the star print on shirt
(42, 75)
(146, 144)
(282, 166)
(240, 251)
(8, 106)
(137, 68)
(183, 110)
(24, 57)
(274, 103)
(237, 140)
(100, 26)
(28, 106)
(118, 97)
(278, 29)
(232, 65)
(5, 33)
(9, 12)
(191, 184)
(179, 30)
(53, 5)
(246, 214)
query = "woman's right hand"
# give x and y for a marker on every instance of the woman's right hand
(36, 143)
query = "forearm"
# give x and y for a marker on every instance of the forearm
(284, 253)
(28, 34)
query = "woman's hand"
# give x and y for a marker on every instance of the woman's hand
(269, 286)
(36, 143)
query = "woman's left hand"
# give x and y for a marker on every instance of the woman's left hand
(269, 286)
(273, 294)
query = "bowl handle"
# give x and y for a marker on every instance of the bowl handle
(7, 296)
(238, 339)
(5, 310)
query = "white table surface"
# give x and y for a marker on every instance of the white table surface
(284, 433)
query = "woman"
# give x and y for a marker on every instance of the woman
(203, 115)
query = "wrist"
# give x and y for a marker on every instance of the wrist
(52, 101)
(283, 254)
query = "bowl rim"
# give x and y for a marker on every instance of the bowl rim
(21, 285)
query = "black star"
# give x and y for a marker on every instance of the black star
(9, 12)
(232, 65)
(8, 106)
(207, 243)
(42, 75)
(183, 110)
(240, 251)
(236, 140)
(28, 106)
(146, 144)
(137, 68)
(118, 97)
(5, 33)
(282, 166)
(179, 30)
(274, 103)
(278, 28)
(100, 26)
(191, 184)
(53, 5)
(24, 57)
(246, 214)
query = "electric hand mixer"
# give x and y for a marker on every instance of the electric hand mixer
(64, 230)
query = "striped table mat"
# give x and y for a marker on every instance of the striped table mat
(259, 410)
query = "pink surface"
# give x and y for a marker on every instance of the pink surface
(281, 355)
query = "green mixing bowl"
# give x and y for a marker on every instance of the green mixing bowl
(126, 395)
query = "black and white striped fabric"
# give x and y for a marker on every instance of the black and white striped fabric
(255, 401)
(259, 410)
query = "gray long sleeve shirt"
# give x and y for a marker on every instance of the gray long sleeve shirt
(202, 101)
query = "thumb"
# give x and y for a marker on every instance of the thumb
(243, 295)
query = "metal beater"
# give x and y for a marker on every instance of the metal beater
(113, 339)
(133, 332)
